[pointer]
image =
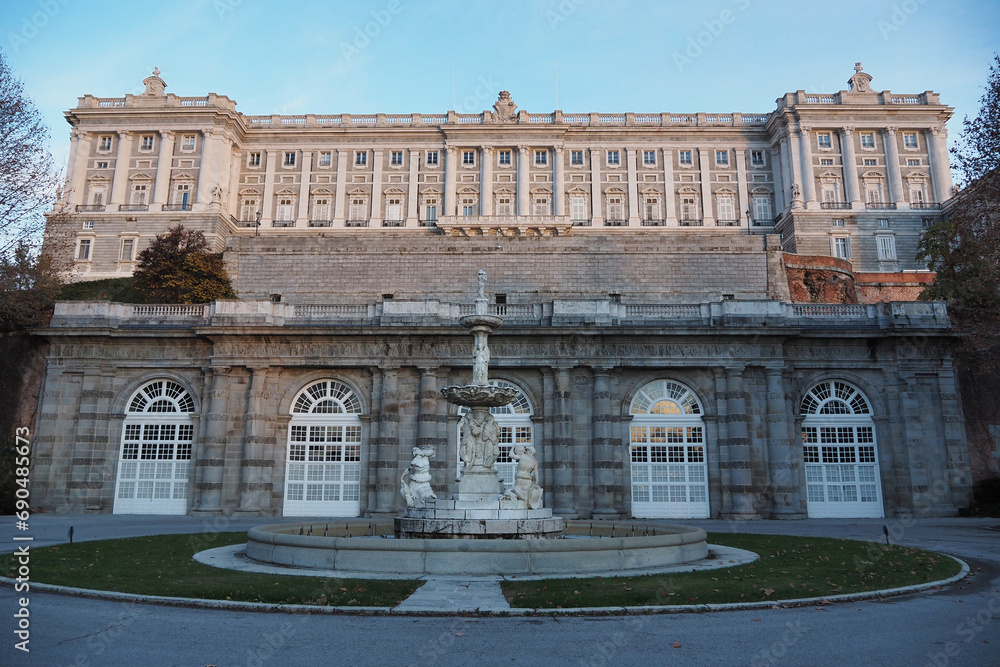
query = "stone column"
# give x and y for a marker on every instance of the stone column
(937, 155)
(523, 182)
(74, 148)
(704, 166)
(563, 463)
(164, 162)
(387, 446)
(267, 202)
(959, 478)
(302, 219)
(412, 197)
(205, 169)
(896, 193)
(212, 441)
(721, 427)
(795, 166)
(596, 191)
(376, 216)
(669, 201)
(633, 187)
(743, 188)
(340, 197)
(430, 420)
(450, 182)
(486, 181)
(780, 193)
(78, 186)
(740, 455)
(808, 176)
(785, 490)
(119, 186)
(605, 450)
(558, 182)
(852, 187)
(252, 462)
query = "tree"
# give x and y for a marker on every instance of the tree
(178, 268)
(27, 178)
(29, 283)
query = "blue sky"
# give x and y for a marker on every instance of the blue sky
(397, 56)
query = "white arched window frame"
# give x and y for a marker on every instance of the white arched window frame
(155, 456)
(516, 428)
(840, 453)
(668, 463)
(323, 459)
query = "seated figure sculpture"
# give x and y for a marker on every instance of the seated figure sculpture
(415, 483)
(526, 489)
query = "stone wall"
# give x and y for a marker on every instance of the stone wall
(820, 279)
(641, 267)
(884, 287)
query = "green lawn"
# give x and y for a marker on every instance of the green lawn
(162, 565)
(789, 567)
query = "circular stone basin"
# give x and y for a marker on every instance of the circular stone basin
(358, 546)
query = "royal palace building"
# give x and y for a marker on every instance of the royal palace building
(705, 315)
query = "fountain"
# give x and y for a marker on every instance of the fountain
(481, 509)
(482, 530)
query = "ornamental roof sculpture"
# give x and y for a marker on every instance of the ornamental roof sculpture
(504, 109)
(859, 83)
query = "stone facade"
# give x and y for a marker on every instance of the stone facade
(581, 365)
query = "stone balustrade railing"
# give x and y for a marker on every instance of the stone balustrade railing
(559, 312)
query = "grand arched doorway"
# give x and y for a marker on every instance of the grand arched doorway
(669, 473)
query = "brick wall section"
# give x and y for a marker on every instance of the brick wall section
(362, 267)
(819, 279)
(883, 287)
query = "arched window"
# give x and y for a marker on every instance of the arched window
(514, 420)
(155, 459)
(323, 465)
(840, 453)
(667, 453)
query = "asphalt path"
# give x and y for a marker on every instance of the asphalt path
(957, 625)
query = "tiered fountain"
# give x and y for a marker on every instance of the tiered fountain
(480, 510)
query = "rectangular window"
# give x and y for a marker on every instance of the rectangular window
(253, 160)
(102, 165)
(910, 140)
(503, 157)
(321, 209)
(823, 140)
(104, 144)
(826, 162)
(431, 212)
(762, 209)
(614, 158)
(127, 246)
(505, 206)
(874, 194)
(139, 194)
(649, 157)
(722, 158)
(248, 211)
(912, 162)
(147, 143)
(394, 209)
(651, 209)
(360, 158)
(397, 158)
(882, 222)
(468, 207)
(689, 208)
(284, 211)
(727, 208)
(432, 158)
(576, 157)
(616, 209)
(541, 157)
(684, 157)
(469, 157)
(84, 253)
(757, 158)
(578, 208)
(88, 224)
(325, 158)
(98, 197)
(842, 247)
(838, 222)
(870, 162)
(359, 210)
(289, 159)
(540, 206)
(868, 140)
(886, 248)
(188, 142)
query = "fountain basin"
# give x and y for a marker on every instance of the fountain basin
(479, 395)
(664, 546)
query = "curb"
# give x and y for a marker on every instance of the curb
(232, 605)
